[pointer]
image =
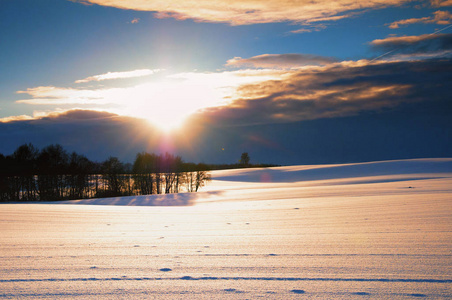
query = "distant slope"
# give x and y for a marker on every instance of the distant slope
(280, 183)
(336, 171)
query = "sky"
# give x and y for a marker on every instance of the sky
(289, 82)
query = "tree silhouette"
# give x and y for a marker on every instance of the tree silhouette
(25, 159)
(143, 169)
(52, 165)
(245, 159)
(112, 168)
(53, 174)
(79, 169)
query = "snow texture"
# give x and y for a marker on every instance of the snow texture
(379, 230)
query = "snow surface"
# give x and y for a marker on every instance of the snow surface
(378, 230)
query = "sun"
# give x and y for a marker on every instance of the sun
(167, 104)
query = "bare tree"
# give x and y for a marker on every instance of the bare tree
(112, 169)
(201, 179)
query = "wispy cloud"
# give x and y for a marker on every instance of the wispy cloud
(441, 3)
(408, 40)
(426, 45)
(289, 60)
(243, 12)
(309, 28)
(50, 95)
(439, 17)
(84, 2)
(302, 30)
(119, 75)
(135, 21)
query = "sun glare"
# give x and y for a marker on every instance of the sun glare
(168, 104)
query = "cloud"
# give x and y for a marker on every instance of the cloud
(67, 116)
(135, 21)
(279, 61)
(408, 40)
(70, 114)
(426, 44)
(15, 118)
(50, 95)
(302, 30)
(244, 12)
(119, 75)
(316, 27)
(94, 133)
(441, 3)
(336, 90)
(440, 18)
(75, 115)
(84, 2)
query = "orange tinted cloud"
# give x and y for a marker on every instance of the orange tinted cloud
(421, 46)
(242, 12)
(441, 3)
(411, 39)
(15, 118)
(440, 18)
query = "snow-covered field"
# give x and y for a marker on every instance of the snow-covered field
(367, 231)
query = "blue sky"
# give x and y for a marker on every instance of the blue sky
(221, 63)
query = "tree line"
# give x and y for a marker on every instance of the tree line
(243, 162)
(49, 174)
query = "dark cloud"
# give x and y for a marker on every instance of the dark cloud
(96, 134)
(79, 114)
(339, 90)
